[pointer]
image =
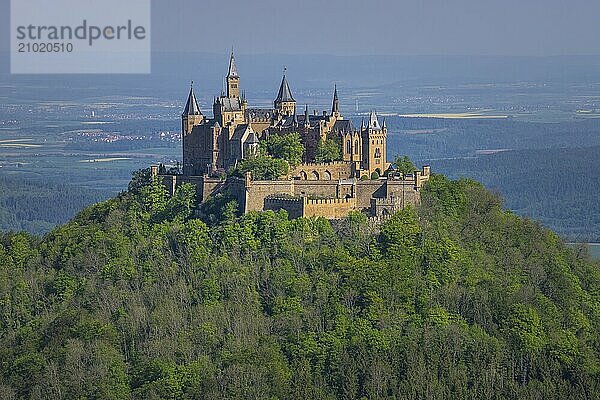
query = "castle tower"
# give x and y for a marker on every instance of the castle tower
(374, 138)
(335, 109)
(191, 114)
(285, 103)
(233, 79)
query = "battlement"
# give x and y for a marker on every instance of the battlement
(342, 201)
(387, 201)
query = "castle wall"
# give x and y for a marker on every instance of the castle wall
(293, 206)
(257, 191)
(315, 188)
(324, 171)
(367, 189)
(328, 208)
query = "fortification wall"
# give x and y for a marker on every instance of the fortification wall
(316, 188)
(323, 171)
(367, 189)
(205, 186)
(257, 191)
(328, 208)
(293, 206)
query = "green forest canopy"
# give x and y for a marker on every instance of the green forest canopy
(457, 298)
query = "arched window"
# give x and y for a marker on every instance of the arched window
(315, 176)
(327, 176)
(348, 147)
(377, 153)
(356, 146)
(303, 175)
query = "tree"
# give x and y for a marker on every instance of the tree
(181, 205)
(288, 147)
(404, 164)
(329, 150)
(262, 167)
(139, 179)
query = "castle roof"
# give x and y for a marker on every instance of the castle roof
(285, 94)
(191, 107)
(241, 131)
(260, 113)
(336, 102)
(230, 103)
(232, 73)
(252, 138)
(374, 121)
(343, 125)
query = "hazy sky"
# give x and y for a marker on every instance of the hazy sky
(465, 27)
(400, 27)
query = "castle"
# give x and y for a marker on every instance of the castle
(361, 179)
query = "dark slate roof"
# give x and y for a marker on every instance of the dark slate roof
(191, 107)
(343, 125)
(336, 102)
(260, 113)
(230, 103)
(232, 73)
(252, 138)
(285, 94)
(240, 130)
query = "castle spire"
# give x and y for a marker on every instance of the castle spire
(335, 109)
(285, 103)
(306, 117)
(285, 94)
(232, 72)
(233, 78)
(191, 107)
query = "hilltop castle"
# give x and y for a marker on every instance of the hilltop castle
(361, 179)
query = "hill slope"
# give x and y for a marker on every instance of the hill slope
(455, 299)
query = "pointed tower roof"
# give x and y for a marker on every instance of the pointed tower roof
(336, 102)
(373, 121)
(384, 125)
(285, 94)
(191, 107)
(232, 73)
(362, 123)
(306, 117)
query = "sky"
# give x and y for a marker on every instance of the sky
(372, 27)
(398, 27)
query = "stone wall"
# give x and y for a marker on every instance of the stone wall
(329, 208)
(324, 198)
(316, 188)
(257, 191)
(324, 171)
(367, 189)
(293, 206)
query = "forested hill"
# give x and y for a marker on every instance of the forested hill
(457, 298)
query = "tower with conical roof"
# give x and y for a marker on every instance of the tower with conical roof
(285, 103)
(191, 115)
(233, 78)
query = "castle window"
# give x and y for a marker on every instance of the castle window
(356, 146)
(348, 147)
(377, 153)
